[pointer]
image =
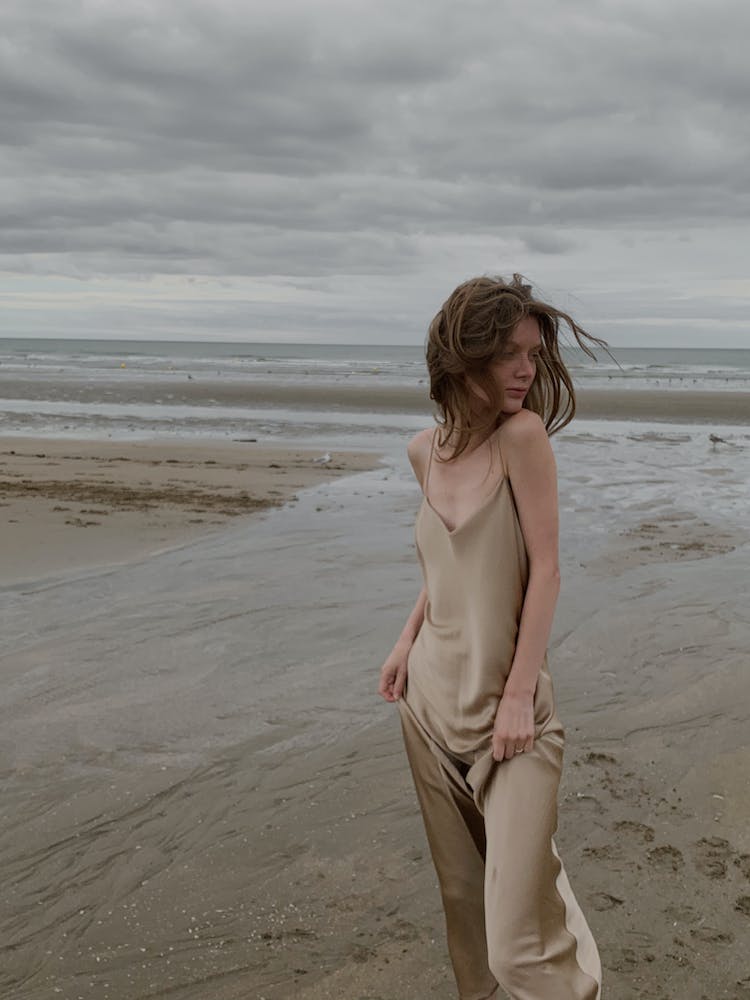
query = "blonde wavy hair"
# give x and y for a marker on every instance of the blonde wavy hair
(470, 331)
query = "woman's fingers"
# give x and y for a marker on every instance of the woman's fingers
(513, 730)
(398, 684)
(503, 748)
(392, 681)
(386, 682)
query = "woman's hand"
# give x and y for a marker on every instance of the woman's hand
(393, 672)
(514, 725)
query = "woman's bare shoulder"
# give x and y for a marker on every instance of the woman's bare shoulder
(417, 449)
(522, 426)
(524, 440)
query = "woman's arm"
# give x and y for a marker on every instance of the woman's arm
(414, 621)
(393, 671)
(534, 630)
(533, 474)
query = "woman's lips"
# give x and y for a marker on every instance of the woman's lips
(517, 392)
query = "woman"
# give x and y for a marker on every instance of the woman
(469, 671)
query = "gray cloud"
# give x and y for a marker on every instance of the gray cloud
(403, 146)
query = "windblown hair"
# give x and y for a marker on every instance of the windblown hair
(471, 331)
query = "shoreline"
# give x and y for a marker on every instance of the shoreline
(659, 404)
(69, 504)
(668, 406)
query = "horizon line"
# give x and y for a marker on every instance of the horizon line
(335, 343)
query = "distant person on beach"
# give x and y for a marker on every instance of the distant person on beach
(469, 671)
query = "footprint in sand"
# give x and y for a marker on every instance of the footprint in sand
(596, 757)
(605, 901)
(604, 852)
(403, 930)
(711, 856)
(742, 904)
(637, 829)
(743, 863)
(711, 935)
(629, 959)
(666, 858)
(624, 961)
(681, 913)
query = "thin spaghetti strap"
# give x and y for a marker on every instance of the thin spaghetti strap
(429, 462)
(500, 456)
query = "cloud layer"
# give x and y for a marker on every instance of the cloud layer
(339, 167)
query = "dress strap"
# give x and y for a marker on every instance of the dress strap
(429, 462)
(500, 456)
(432, 448)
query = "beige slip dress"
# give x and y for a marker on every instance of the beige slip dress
(476, 577)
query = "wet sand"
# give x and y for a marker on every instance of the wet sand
(68, 504)
(204, 797)
(613, 403)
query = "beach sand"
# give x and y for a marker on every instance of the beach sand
(651, 681)
(205, 798)
(72, 503)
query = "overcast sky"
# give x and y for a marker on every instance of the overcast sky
(329, 170)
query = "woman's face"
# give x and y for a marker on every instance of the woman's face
(515, 369)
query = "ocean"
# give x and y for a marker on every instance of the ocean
(641, 367)
(349, 394)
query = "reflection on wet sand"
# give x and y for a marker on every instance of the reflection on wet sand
(204, 797)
